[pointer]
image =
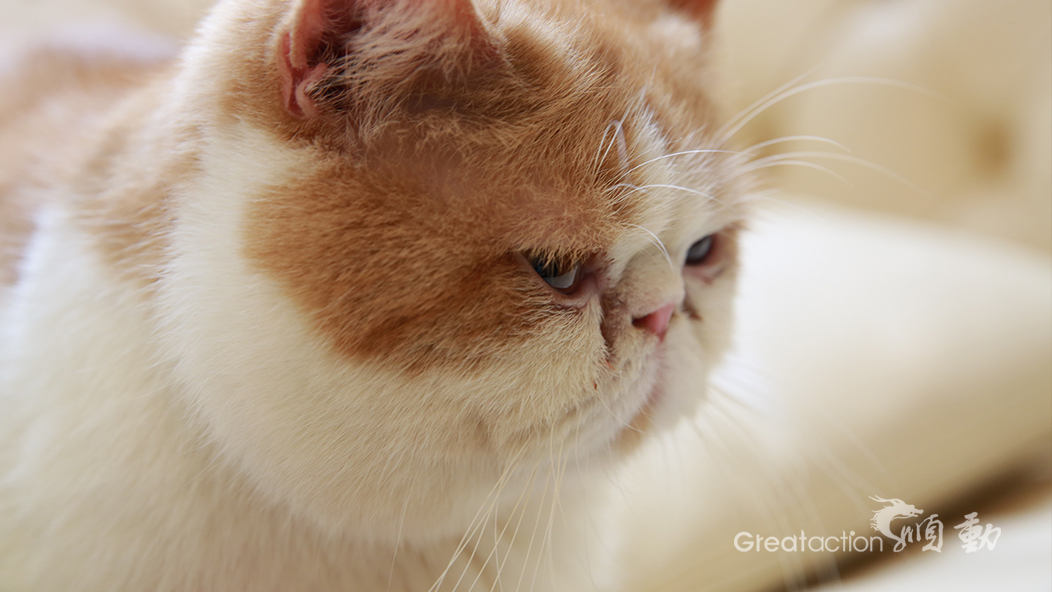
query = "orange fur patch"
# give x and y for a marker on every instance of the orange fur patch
(404, 242)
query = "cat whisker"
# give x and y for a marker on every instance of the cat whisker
(734, 125)
(801, 163)
(799, 138)
(614, 415)
(748, 471)
(707, 196)
(526, 493)
(744, 451)
(665, 186)
(398, 539)
(677, 154)
(601, 154)
(588, 518)
(499, 539)
(494, 553)
(622, 145)
(390, 465)
(780, 484)
(722, 131)
(524, 500)
(546, 540)
(494, 493)
(794, 156)
(536, 527)
(849, 477)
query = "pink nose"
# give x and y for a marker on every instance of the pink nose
(657, 321)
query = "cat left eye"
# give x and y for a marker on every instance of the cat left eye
(562, 277)
(701, 252)
(707, 257)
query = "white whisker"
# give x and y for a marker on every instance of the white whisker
(764, 99)
(795, 156)
(680, 153)
(472, 528)
(724, 135)
(761, 145)
(398, 539)
(802, 163)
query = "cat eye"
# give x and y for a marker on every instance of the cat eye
(562, 277)
(708, 257)
(701, 252)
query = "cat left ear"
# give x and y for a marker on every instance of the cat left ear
(702, 10)
(315, 28)
(322, 39)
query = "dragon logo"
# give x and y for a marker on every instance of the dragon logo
(883, 518)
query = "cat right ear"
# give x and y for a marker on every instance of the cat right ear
(403, 37)
(701, 10)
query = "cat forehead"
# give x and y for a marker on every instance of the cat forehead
(598, 190)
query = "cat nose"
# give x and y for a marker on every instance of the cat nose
(656, 322)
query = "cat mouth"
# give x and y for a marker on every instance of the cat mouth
(642, 418)
(625, 422)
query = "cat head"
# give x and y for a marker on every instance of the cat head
(437, 245)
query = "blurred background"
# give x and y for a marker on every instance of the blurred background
(914, 138)
(897, 297)
(952, 127)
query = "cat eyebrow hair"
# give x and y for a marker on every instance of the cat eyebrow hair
(616, 138)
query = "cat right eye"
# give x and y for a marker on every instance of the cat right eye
(564, 278)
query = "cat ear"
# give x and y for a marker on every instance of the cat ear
(322, 39)
(701, 10)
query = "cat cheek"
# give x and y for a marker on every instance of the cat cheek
(707, 274)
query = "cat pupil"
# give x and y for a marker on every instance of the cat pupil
(699, 251)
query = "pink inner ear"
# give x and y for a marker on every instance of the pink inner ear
(321, 25)
(319, 28)
(295, 81)
(322, 28)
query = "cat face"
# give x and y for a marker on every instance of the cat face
(435, 247)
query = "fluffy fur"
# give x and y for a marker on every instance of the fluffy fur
(269, 319)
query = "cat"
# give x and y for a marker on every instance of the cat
(354, 294)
